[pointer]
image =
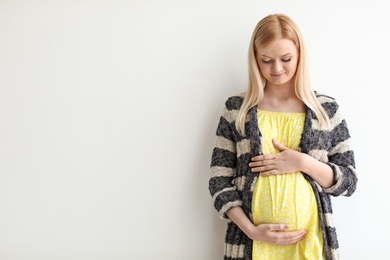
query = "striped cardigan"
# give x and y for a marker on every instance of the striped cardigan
(231, 181)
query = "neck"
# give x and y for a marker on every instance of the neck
(281, 98)
(281, 92)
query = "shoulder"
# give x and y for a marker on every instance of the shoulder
(329, 103)
(324, 98)
(234, 102)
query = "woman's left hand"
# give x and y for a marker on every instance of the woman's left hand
(286, 161)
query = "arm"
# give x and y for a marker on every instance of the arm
(276, 234)
(318, 171)
(223, 167)
(339, 156)
(227, 197)
(289, 160)
(334, 170)
(341, 160)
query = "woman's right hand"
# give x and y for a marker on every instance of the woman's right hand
(276, 234)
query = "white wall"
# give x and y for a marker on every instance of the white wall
(108, 111)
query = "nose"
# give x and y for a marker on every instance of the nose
(277, 66)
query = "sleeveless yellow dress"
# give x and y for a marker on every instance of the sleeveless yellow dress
(285, 198)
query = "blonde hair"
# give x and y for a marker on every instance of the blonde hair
(269, 29)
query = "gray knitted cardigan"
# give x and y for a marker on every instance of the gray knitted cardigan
(231, 181)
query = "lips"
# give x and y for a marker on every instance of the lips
(277, 75)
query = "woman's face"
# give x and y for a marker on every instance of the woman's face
(278, 61)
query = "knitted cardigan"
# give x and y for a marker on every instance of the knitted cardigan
(231, 182)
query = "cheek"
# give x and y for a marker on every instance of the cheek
(263, 68)
(292, 66)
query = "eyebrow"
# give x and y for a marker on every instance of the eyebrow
(265, 56)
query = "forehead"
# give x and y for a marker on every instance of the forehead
(278, 48)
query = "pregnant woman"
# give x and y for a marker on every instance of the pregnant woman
(282, 149)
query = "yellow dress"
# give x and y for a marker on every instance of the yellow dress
(285, 198)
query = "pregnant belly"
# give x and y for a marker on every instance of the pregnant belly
(286, 198)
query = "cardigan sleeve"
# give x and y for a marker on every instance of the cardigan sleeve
(223, 166)
(341, 157)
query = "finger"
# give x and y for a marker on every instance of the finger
(297, 237)
(266, 169)
(257, 158)
(268, 173)
(268, 157)
(255, 164)
(277, 227)
(262, 162)
(263, 157)
(287, 238)
(278, 145)
(258, 169)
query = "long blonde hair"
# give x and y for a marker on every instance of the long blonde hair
(269, 29)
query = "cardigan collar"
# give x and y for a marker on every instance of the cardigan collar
(253, 132)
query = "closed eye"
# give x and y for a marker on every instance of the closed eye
(269, 61)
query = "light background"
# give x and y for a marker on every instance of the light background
(108, 111)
